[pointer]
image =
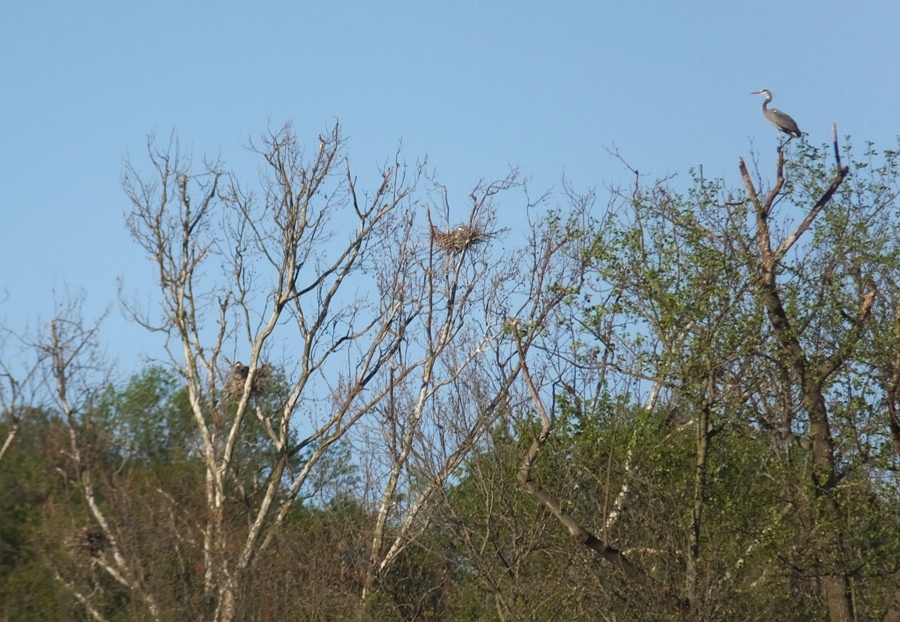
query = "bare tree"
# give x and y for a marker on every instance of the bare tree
(288, 261)
(452, 377)
(356, 305)
(75, 372)
(18, 390)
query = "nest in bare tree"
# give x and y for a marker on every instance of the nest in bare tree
(237, 378)
(459, 239)
(89, 541)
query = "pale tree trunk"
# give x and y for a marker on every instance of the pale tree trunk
(16, 386)
(288, 264)
(70, 353)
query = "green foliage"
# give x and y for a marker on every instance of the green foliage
(149, 420)
(673, 300)
(680, 438)
(29, 485)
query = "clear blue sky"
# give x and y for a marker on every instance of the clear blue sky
(477, 86)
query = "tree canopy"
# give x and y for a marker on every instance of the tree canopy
(377, 404)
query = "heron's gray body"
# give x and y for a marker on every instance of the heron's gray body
(779, 119)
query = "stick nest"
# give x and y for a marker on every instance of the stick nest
(237, 378)
(89, 541)
(459, 239)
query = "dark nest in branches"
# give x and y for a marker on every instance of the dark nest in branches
(237, 378)
(459, 239)
(88, 541)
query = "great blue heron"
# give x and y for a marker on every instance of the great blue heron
(777, 118)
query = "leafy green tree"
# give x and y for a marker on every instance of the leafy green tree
(31, 485)
(148, 420)
(745, 319)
